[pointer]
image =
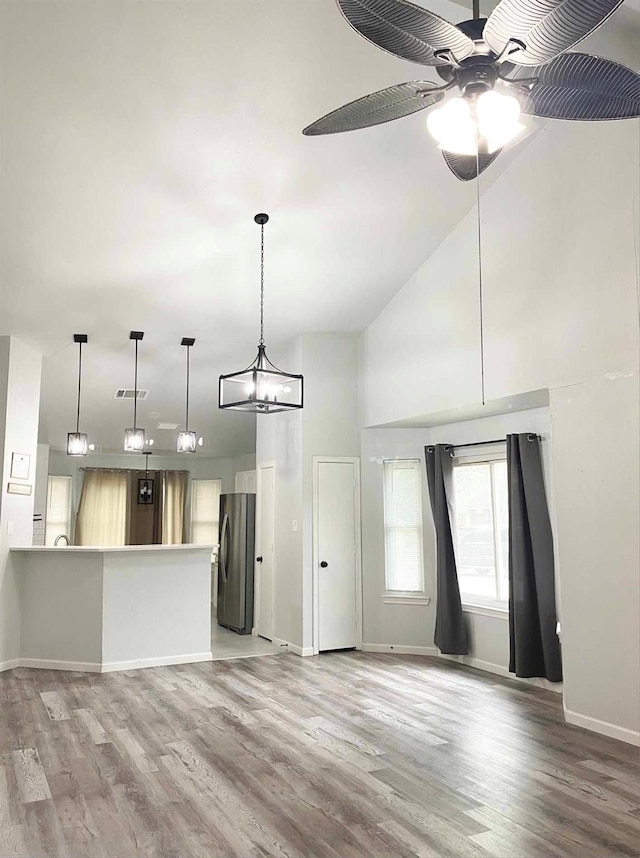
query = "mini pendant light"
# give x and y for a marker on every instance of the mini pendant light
(187, 439)
(261, 387)
(77, 441)
(134, 437)
(145, 486)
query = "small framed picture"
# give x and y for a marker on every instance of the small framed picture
(20, 466)
(145, 490)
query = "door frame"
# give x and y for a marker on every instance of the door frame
(256, 566)
(319, 460)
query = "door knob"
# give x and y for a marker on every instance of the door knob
(324, 564)
(258, 559)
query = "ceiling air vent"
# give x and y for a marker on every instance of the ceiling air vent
(171, 426)
(128, 393)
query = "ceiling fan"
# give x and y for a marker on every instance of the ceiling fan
(516, 61)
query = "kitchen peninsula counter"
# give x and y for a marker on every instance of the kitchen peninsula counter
(114, 608)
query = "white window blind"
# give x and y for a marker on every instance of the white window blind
(58, 517)
(205, 511)
(482, 531)
(403, 525)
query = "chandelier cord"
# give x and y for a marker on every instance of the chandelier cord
(261, 284)
(480, 294)
(79, 384)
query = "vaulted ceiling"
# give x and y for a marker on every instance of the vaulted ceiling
(139, 139)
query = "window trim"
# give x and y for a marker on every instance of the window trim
(192, 490)
(404, 597)
(69, 478)
(397, 597)
(471, 603)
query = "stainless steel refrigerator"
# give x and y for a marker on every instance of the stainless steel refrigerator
(236, 562)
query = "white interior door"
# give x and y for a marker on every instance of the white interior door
(265, 567)
(336, 554)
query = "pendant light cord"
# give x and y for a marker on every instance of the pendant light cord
(79, 386)
(480, 294)
(186, 416)
(135, 388)
(261, 284)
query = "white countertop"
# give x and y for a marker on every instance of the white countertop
(112, 549)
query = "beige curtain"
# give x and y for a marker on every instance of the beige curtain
(102, 513)
(174, 496)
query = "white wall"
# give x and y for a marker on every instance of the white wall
(561, 313)
(330, 427)
(413, 625)
(595, 457)
(326, 426)
(279, 440)
(20, 372)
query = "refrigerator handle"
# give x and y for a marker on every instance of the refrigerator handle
(223, 546)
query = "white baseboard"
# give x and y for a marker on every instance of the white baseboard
(400, 650)
(10, 664)
(159, 661)
(294, 648)
(613, 731)
(53, 664)
(500, 670)
(111, 666)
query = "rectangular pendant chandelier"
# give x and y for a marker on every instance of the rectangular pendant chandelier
(77, 444)
(134, 440)
(187, 442)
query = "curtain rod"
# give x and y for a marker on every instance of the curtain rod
(110, 470)
(132, 470)
(530, 437)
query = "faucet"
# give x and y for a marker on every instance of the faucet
(62, 536)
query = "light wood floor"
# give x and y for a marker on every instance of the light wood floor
(341, 755)
(228, 644)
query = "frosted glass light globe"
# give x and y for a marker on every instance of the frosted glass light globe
(498, 118)
(453, 127)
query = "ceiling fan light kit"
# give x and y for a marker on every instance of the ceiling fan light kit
(516, 61)
(261, 387)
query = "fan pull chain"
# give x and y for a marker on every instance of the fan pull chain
(480, 295)
(261, 284)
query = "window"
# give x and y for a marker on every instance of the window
(58, 517)
(482, 531)
(403, 526)
(205, 511)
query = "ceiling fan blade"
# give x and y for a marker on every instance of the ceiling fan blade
(580, 86)
(406, 30)
(547, 27)
(383, 106)
(465, 167)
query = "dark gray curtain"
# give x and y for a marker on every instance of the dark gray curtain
(534, 648)
(451, 634)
